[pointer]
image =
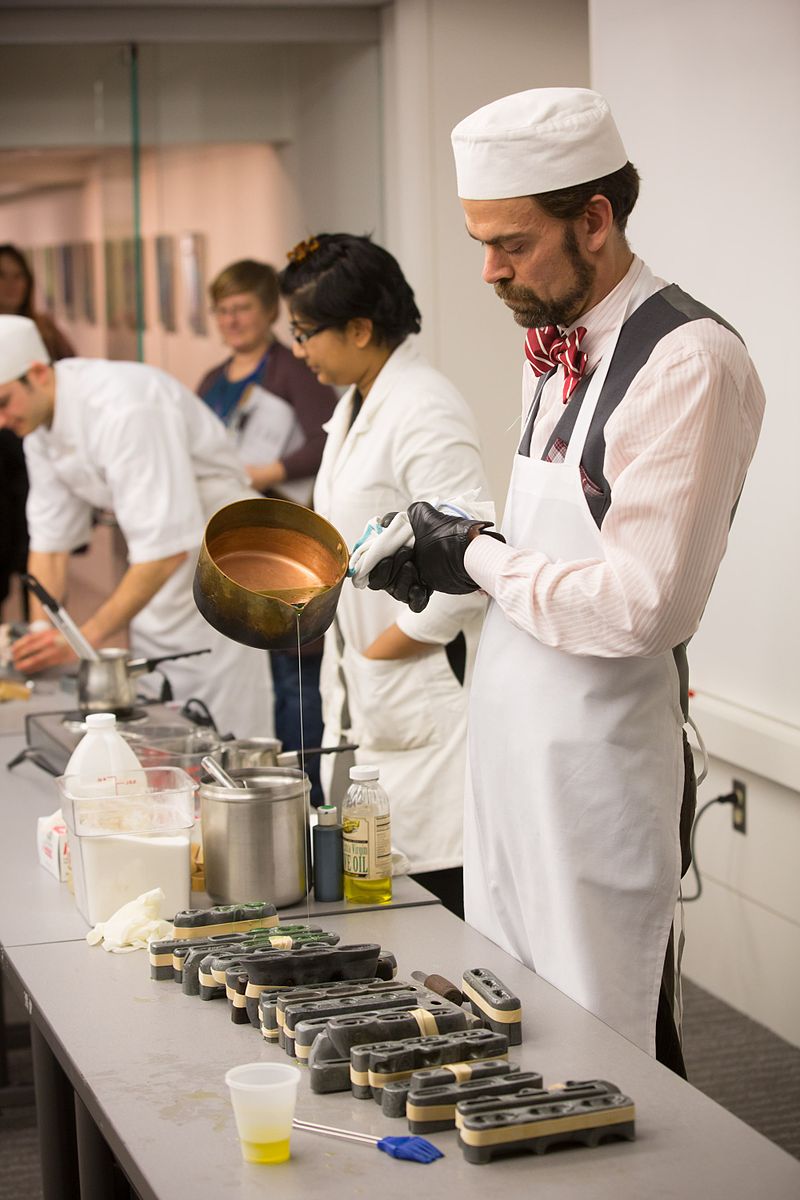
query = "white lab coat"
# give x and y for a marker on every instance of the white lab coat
(129, 438)
(414, 437)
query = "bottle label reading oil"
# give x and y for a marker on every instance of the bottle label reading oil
(367, 847)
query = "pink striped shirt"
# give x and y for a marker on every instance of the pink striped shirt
(677, 449)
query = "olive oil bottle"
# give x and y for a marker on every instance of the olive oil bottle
(366, 839)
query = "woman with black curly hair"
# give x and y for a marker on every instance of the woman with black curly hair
(394, 681)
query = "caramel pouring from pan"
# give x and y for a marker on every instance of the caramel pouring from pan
(268, 569)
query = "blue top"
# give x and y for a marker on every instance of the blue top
(224, 395)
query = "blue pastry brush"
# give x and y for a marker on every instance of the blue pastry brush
(414, 1149)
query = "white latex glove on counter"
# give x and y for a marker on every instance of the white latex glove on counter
(132, 926)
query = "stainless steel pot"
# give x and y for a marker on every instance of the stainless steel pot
(266, 752)
(251, 752)
(255, 836)
(108, 684)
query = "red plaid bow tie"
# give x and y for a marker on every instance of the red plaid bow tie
(546, 348)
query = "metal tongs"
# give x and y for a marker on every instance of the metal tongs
(61, 619)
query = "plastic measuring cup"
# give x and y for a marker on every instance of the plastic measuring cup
(263, 1096)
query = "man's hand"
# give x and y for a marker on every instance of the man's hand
(435, 563)
(40, 650)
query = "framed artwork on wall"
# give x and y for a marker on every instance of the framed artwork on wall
(49, 279)
(85, 272)
(165, 279)
(193, 246)
(129, 285)
(112, 258)
(66, 271)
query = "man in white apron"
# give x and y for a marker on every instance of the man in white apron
(641, 411)
(129, 438)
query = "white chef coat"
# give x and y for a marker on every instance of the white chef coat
(414, 437)
(130, 438)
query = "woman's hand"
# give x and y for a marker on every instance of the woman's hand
(394, 644)
(40, 650)
(266, 476)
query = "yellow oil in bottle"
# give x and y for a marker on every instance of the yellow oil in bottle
(366, 839)
(266, 1152)
(367, 891)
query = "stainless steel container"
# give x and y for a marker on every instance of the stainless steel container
(250, 752)
(255, 836)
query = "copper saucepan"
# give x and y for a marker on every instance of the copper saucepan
(267, 570)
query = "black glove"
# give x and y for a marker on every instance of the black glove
(436, 561)
(398, 576)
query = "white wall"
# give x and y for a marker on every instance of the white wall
(707, 96)
(441, 60)
(334, 156)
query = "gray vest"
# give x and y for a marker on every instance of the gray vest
(653, 319)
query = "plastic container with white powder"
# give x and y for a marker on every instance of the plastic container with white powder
(129, 833)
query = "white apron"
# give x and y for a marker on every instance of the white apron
(574, 784)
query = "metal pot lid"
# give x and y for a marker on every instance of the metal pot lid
(260, 783)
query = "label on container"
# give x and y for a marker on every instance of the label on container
(367, 847)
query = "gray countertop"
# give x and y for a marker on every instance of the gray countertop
(150, 1064)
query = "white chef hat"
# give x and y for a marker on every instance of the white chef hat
(21, 345)
(536, 141)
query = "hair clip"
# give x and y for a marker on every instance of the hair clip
(302, 250)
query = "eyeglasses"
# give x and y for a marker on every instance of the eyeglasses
(301, 336)
(232, 310)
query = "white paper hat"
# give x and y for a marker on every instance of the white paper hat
(20, 345)
(536, 141)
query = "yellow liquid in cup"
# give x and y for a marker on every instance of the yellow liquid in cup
(266, 1152)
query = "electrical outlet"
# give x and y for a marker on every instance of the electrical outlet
(740, 807)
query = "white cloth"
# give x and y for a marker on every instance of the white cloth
(21, 346)
(571, 847)
(133, 925)
(677, 450)
(265, 428)
(413, 436)
(129, 438)
(536, 141)
(368, 552)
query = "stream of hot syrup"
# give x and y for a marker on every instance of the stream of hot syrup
(299, 608)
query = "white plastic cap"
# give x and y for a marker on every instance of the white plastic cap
(362, 774)
(327, 814)
(101, 721)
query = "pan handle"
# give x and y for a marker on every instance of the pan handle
(291, 758)
(32, 754)
(144, 665)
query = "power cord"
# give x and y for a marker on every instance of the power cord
(729, 798)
